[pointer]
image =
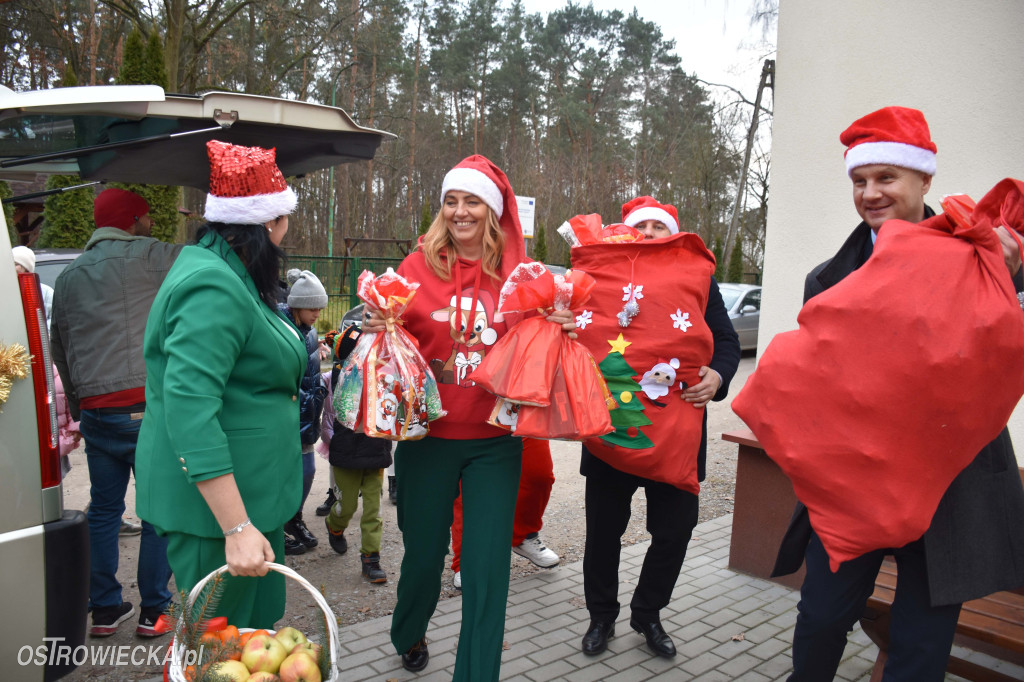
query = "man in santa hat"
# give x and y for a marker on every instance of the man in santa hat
(974, 546)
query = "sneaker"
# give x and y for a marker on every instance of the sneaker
(105, 619)
(534, 550)
(293, 547)
(337, 539)
(325, 508)
(151, 624)
(457, 580)
(298, 530)
(129, 528)
(372, 570)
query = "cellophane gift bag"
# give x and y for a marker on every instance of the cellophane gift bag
(399, 395)
(644, 325)
(897, 376)
(547, 384)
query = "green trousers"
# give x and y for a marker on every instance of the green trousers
(350, 482)
(247, 602)
(428, 473)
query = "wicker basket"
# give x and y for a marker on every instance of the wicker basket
(176, 666)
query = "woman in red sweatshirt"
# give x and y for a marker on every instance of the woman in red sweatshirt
(473, 244)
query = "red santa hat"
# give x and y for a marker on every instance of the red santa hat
(895, 136)
(647, 208)
(246, 186)
(477, 175)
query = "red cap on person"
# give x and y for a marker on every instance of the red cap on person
(640, 209)
(246, 186)
(895, 136)
(477, 175)
(118, 208)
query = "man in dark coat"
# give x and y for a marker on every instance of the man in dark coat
(975, 545)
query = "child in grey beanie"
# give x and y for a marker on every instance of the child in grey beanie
(306, 293)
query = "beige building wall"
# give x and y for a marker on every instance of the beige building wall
(962, 63)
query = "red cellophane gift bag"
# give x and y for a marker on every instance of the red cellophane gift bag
(550, 376)
(400, 395)
(645, 327)
(897, 376)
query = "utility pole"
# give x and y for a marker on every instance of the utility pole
(767, 81)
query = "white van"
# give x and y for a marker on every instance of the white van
(133, 133)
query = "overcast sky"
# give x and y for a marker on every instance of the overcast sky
(713, 37)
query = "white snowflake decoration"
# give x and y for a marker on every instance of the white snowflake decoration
(681, 320)
(584, 318)
(632, 291)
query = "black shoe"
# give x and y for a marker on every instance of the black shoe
(150, 624)
(337, 539)
(297, 529)
(415, 659)
(598, 634)
(292, 546)
(372, 570)
(105, 619)
(657, 639)
(325, 508)
(392, 490)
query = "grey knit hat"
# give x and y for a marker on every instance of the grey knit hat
(307, 293)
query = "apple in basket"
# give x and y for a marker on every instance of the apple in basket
(231, 670)
(263, 677)
(311, 648)
(300, 667)
(289, 637)
(263, 653)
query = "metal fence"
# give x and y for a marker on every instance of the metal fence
(339, 276)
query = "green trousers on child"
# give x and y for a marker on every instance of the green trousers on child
(428, 473)
(350, 482)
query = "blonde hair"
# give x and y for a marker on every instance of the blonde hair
(438, 245)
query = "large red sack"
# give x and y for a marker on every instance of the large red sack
(657, 434)
(896, 378)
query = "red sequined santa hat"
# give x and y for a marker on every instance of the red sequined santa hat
(647, 208)
(477, 175)
(894, 136)
(246, 186)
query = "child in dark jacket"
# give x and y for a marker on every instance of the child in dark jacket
(357, 466)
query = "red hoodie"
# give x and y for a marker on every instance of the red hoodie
(452, 355)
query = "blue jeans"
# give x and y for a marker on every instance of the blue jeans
(110, 452)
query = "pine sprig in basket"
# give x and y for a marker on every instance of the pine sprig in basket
(189, 629)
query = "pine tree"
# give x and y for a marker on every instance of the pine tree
(540, 245)
(735, 271)
(143, 64)
(70, 80)
(6, 193)
(719, 257)
(425, 219)
(630, 414)
(67, 216)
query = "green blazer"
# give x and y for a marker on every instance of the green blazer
(223, 373)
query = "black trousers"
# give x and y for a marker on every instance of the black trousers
(920, 635)
(671, 517)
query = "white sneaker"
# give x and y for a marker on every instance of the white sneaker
(534, 550)
(457, 580)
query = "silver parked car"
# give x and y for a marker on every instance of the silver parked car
(743, 301)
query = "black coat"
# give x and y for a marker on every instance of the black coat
(975, 544)
(725, 360)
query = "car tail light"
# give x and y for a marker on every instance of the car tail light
(42, 379)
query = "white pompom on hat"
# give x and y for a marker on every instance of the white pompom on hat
(307, 293)
(894, 136)
(246, 186)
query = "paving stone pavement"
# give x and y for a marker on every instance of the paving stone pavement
(726, 625)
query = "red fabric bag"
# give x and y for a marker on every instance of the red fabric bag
(896, 378)
(659, 289)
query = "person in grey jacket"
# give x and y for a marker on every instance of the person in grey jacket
(100, 306)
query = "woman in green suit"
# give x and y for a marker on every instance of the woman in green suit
(218, 465)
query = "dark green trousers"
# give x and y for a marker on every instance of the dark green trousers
(247, 602)
(428, 472)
